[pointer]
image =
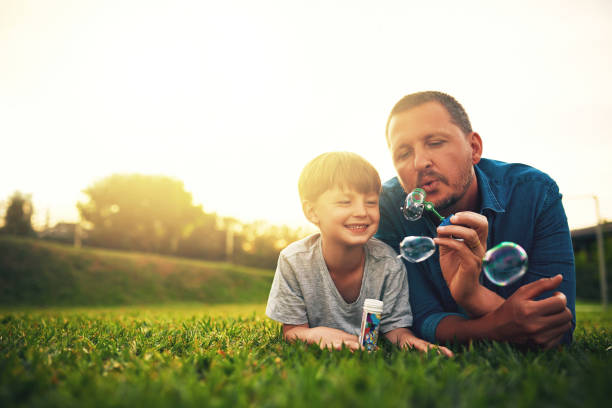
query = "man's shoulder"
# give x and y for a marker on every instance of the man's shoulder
(499, 172)
(510, 187)
(392, 186)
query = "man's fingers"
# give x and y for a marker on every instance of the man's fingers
(533, 289)
(450, 243)
(553, 342)
(552, 337)
(469, 237)
(554, 320)
(552, 305)
(474, 221)
(461, 250)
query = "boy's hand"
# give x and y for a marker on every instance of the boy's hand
(325, 337)
(405, 339)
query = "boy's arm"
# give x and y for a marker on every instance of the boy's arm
(325, 337)
(404, 338)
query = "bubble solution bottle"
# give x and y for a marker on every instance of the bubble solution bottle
(370, 323)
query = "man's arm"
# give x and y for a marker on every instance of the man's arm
(325, 337)
(520, 319)
(462, 247)
(552, 252)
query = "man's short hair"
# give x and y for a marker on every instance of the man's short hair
(344, 170)
(458, 115)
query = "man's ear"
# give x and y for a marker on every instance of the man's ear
(476, 144)
(309, 212)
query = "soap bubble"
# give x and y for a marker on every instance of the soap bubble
(414, 204)
(417, 249)
(505, 263)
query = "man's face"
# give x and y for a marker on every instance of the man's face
(431, 152)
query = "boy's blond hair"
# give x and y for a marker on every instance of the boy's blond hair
(344, 170)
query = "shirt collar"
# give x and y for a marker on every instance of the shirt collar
(488, 199)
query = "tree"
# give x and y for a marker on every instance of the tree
(18, 217)
(139, 212)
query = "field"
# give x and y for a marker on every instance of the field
(231, 355)
(89, 327)
(39, 273)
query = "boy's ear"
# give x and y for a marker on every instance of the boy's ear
(309, 212)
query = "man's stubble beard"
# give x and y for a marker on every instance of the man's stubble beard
(462, 186)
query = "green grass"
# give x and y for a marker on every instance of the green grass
(90, 327)
(231, 355)
(39, 273)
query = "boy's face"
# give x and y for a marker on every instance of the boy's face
(345, 216)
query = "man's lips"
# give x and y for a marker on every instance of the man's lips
(430, 185)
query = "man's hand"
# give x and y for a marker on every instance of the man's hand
(461, 262)
(325, 337)
(541, 322)
(405, 339)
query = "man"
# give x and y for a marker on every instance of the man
(434, 147)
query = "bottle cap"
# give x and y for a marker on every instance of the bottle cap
(373, 305)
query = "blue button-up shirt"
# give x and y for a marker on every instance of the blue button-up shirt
(523, 205)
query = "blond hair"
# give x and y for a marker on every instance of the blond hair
(344, 170)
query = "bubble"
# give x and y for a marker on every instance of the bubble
(505, 263)
(417, 249)
(414, 204)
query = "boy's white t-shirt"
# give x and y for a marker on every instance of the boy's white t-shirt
(304, 292)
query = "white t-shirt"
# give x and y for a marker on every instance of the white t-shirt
(304, 292)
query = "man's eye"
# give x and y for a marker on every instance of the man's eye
(372, 202)
(436, 143)
(403, 155)
(344, 202)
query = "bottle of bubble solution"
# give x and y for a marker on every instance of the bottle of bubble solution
(370, 323)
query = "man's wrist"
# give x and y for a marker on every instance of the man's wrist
(480, 302)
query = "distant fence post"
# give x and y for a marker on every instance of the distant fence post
(601, 256)
(77, 234)
(229, 242)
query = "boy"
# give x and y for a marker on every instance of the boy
(322, 281)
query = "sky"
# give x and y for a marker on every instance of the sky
(233, 98)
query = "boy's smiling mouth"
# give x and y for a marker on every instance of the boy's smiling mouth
(357, 227)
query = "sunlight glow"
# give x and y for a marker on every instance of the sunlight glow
(234, 98)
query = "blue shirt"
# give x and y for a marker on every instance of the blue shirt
(522, 205)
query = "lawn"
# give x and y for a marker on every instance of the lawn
(232, 355)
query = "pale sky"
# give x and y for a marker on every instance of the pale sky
(235, 97)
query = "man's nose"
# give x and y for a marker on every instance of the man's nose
(421, 160)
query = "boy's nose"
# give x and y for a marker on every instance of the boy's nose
(360, 209)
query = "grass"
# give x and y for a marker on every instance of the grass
(39, 273)
(231, 355)
(91, 327)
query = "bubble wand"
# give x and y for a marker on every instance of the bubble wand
(503, 264)
(415, 204)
